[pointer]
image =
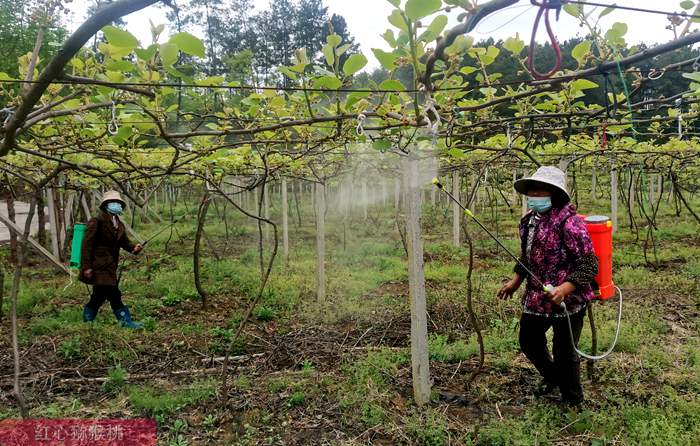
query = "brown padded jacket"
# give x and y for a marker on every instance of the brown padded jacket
(100, 249)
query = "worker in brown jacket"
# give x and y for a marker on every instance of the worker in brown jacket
(105, 235)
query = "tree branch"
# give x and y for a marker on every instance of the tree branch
(75, 42)
(457, 31)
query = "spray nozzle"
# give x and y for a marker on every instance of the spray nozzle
(437, 183)
(548, 288)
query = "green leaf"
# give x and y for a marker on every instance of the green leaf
(695, 76)
(392, 84)
(687, 4)
(287, 72)
(606, 11)
(355, 63)
(460, 44)
(387, 60)
(168, 54)
(492, 53)
(417, 9)
(120, 38)
(189, 44)
(327, 83)
(381, 145)
(435, 28)
(211, 80)
(147, 54)
(397, 20)
(616, 33)
(580, 51)
(583, 84)
(514, 44)
(342, 49)
(354, 98)
(334, 40)
(120, 65)
(574, 10)
(388, 36)
(328, 53)
(396, 3)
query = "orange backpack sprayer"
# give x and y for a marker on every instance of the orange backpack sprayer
(600, 229)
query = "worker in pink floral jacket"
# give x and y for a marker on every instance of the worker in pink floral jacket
(557, 248)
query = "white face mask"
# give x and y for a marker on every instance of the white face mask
(115, 208)
(539, 204)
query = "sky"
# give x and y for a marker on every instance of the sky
(367, 20)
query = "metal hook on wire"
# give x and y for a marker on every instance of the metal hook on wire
(360, 129)
(450, 129)
(433, 127)
(679, 105)
(655, 75)
(8, 115)
(113, 125)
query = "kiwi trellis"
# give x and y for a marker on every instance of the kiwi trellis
(90, 121)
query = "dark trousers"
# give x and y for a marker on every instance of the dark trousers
(101, 293)
(564, 368)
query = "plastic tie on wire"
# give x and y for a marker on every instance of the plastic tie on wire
(360, 129)
(607, 86)
(509, 135)
(604, 136)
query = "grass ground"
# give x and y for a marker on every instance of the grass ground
(338, 372)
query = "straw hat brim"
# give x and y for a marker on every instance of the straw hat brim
(523, 185)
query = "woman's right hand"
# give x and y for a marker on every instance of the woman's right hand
(88, 274)
(507, 290)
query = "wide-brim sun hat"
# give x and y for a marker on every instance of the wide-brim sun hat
(111, 195)
(547, 176)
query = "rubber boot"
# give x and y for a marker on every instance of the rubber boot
(124, 317)
(89, 314)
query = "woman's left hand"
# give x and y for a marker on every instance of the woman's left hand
(561, 292)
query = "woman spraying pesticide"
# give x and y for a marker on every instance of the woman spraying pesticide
(104, 237)
(557, 249)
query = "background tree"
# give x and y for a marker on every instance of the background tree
(20, 23)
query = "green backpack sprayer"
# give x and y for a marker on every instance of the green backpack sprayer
(77, 244)
(600, 230)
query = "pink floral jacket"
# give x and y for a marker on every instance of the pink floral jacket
(560, 250)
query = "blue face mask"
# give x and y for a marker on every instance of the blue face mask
(115, 208)
(539, 204)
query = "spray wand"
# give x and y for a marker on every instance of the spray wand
(165, 228)
(546, 287)
(162, 230)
